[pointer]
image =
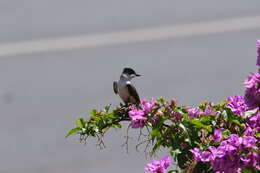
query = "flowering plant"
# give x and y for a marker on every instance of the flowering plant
(222, 137)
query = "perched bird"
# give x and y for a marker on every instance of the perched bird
(125, 89)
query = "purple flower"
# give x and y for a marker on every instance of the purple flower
(229, 149)
(254, 160)
(252, 80)
(245, 160)
(196, 153)
(206, 156)
(258, 52)
(217, 135)
(232, 155)
(216, 153)
(208, 111)
(251, 159)
(249, 131)
(154, 119)
(176, 117)
(234, 140)
(158, 166)
(166, 161)
(237, 105)
(194, 112)
(254, 121)
(136, 112)
(138, 119)
(249, 142)
(154, 167)
(148, 105)
(252, 93)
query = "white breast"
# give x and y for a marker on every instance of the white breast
(122, 89)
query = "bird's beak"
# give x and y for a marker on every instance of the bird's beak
(137, 75)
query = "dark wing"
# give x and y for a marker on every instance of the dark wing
(115, 87)
(134, 97)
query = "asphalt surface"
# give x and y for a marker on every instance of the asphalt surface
(42, 94)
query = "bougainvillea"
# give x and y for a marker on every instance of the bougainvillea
(223, 137)
(194, 112)
(158, 166)
(252, 93)
(137, 117)
(237, 105)
(232, 155)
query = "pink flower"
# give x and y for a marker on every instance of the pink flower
(208, 111)
(216, 153)
(176, 117)
(196, 153)
(237, 105)
(252, 93)
(254, 121)
(148, 105)
(249, 142)
(158, 166)
(154, 119)
(206, 156)
(138, 119)
(194, 112)
(249, 131)
(217, 135)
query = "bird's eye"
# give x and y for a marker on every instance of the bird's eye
(132, 75)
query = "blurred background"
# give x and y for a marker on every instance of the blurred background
(58, 59)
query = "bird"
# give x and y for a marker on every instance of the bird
(125, 89)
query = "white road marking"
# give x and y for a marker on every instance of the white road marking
(131, 36)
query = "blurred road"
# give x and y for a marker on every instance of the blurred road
(43, 93)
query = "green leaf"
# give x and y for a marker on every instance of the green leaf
(222, 104)
(96, 129)
(117, 126)
(250, 113)
(156, 133)
(226, 132)
(183, 128)
(250, 170)
(198, 124)
(93, 112)
(224, 115)
(73, 131)
(110, 115)
(175, 153)
(236, 122)
(107, 107)
(81, 123)
(246, 170)
(173, 171)
(161, 100)
(187, 138)
(207, 118)
(257, 135)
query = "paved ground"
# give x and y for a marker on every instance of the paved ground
(41, 94)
